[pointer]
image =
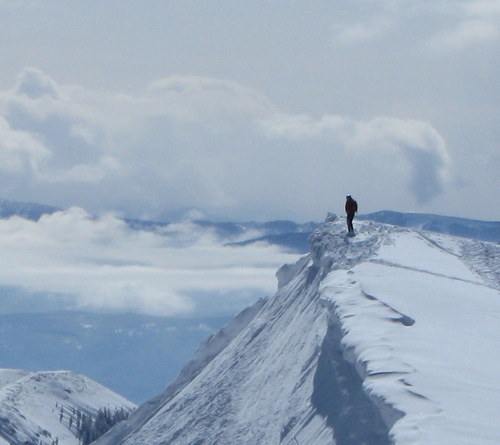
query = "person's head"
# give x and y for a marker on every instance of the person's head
(348, 197)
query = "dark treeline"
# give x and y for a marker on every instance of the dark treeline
(89, 428)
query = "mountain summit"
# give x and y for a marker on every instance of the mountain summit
(387, 337)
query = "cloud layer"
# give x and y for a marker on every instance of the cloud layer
(72, 261)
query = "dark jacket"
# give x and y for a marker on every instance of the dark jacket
(351, 206)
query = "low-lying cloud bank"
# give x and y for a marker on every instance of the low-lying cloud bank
(72, 261)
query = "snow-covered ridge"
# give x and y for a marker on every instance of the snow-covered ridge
(413, 316)
(387, 337)
(332, 249)
(38, 408)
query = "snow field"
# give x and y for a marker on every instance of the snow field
(440, 373)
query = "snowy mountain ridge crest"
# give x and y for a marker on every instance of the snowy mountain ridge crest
(363, 343)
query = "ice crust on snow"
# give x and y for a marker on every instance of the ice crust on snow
(387, 337)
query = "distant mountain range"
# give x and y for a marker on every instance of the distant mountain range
(296, 239)
(466, 228)
(26, 210)
(293, 237)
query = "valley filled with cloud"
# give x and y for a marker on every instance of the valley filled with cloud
(72, 261)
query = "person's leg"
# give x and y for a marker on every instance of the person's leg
(350, 217)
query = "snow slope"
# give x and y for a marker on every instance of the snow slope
(388, 337)
(35, 408)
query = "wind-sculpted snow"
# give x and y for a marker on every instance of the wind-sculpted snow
(483, 258)
(421, 326)
(387, 337)
(332, 248)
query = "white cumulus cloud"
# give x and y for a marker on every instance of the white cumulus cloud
(403, 148)
(198, 142)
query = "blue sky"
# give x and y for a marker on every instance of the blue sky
(251, 110)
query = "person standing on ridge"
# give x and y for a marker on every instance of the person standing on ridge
(351, 207)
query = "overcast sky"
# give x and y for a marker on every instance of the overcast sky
(251, 110)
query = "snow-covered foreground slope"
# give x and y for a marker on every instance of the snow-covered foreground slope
(388, 337)
(36, 408)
